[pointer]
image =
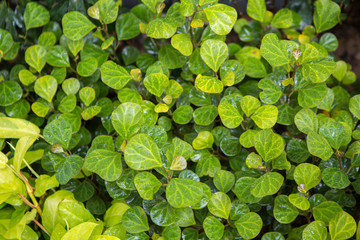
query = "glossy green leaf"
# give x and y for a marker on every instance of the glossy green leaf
(46, 87)
(35, 56)
(214, 53)
(17, 128)
(183, 192)
(297, 150)
(335, 178)
(87, 95)
(229, 115)
(87, 67)
(299, 201)
(282, 19)
(10, 92)
(221, 18)
(284, 211)
(83, 231)
(160, 28)
(108, 10)
(256, 9)
(316, 230)
(306, 121)
(127, 26)
(265, 116)
(318, 72)
(69, 168)
(127, 119)
(311, 95)
(271, 92)
(156, 83)
(162, 214)
(213, 228)
(269, 144)
(114, 75)
(326, 211)
(224, 180)
(135, 220)
(319, 146)
(308, 175)
(35, 15)
(147, 185)
(105, 163)
(183, 114)
(219, 205)
(253, 161)
(142, 153)
(249, 104)
(326, 15)
(58, 131)
(208, 84)
(354, 104)
(273, 50)
(203, 140)
(267, 184)
(57, 57)
(205, 115)
(76, 25)
(249, 225)
(182, 43)
(342, 226)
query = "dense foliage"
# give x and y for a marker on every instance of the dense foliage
(144, 123)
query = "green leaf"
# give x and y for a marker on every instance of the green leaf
(267, 184)
(203, 140)
(17, 128)
(83, 231)
(75, 46)
(221, 18)
(253, 161)
(108, 10)
(208, 166)
(44, 183)
(311, 95)
(35, 56)
(306, 121)
(114, 75)
(46, 87)
(171, 232)
(90, 112)
(10, 92)
(299, 201)
(205, 115)
(224, 180)
(147, 185)
(326, 15)
(162, 214)
(354, 106)
(127, 119)
(319, 146)
(183, 192)
(161, 28)
(284, 211)
(214, 53)
(67, 104)
(57, 57)
(213, 228)
(35, 15)
(76, 25)
(238, 209)
(249, 104)
(87, 67)
(335, 133)
(326, 211)
(272, 236)
(308, 175)
(151, 4)
(247, 138)
(254, 68)
(208, 84)
(342, 226)
(316, 230)
(335, 178)
(182, 43)
(127, 26)
(256, 9)
(105, 163)
(282, 19)
(171, 58)
(269, 144)
(273, 50)
(265, 116)
(6, 41)
(297, 150)
(242, 190)
(249, 225)
(142, 153)
(271, 92)
(87, 95)
(196, 64)
(58, 131)
(135, 220)
(26, 77)
(229, 115)
(156, 83)
(219, 205)
(318, 72)
(69, 168)
(183, 114)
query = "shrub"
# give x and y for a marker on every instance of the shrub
(135, 123)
